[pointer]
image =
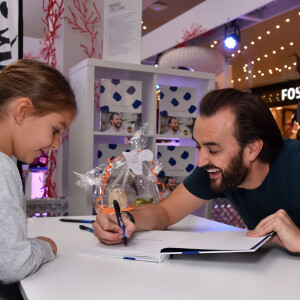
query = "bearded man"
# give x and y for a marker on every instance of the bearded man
(241, 156)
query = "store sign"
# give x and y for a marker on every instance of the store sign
(290, 93)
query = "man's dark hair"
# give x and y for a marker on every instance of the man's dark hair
(253, 119)
(170, 120)
(112, 116)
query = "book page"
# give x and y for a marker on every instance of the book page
(142, 245)
(220, 240)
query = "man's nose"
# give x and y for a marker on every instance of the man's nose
(202, 159)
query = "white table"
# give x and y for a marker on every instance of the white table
(269, 273)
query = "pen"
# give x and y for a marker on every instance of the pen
(77, 221)
(82, 227)
(120, 221)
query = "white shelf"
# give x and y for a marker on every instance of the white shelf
(83, 136)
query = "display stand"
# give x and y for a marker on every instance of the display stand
(84, 138)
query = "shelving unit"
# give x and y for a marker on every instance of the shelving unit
(83, 138)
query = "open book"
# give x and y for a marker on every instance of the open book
(156, 245)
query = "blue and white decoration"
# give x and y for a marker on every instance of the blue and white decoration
(121, 96)
(178, 101)
(176, 160)
(9, 32)
(106, 151)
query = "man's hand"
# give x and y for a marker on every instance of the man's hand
(51, 242)
(107, 230)
(286, 232)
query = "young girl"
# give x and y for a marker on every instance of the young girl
(36, 105)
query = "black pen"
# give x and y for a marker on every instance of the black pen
(120, 221)
(77, 221)
(82, 227)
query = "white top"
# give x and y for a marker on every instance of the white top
(19, 256)
(169, 132)
(111, 129)
(257, 275)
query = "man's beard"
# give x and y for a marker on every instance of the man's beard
(233, 176)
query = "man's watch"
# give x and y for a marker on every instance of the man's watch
(129, 216)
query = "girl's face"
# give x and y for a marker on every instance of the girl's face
(38, 134)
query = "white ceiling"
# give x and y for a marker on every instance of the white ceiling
(252, 25)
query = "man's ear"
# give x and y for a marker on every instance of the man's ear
(22, 109)
(253, 149)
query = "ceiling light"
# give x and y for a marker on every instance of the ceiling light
(287, 20)
(157, 6)
(232, 35)
(268, 32)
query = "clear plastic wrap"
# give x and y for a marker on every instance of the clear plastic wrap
(130, 178)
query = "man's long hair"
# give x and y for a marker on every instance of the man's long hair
(253, 119)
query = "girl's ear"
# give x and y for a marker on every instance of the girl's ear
(22, 109)
(253, 149)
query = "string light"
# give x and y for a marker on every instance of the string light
(267, 72)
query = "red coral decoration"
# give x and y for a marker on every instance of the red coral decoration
(52, 23)
(88, 21)
(195, 31)
(49, 186)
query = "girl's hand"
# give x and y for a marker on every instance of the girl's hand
(51, 242)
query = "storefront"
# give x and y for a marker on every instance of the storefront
(282, 99)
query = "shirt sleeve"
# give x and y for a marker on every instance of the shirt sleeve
(19, 256)
(198, 184)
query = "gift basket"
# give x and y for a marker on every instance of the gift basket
(130, 178)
